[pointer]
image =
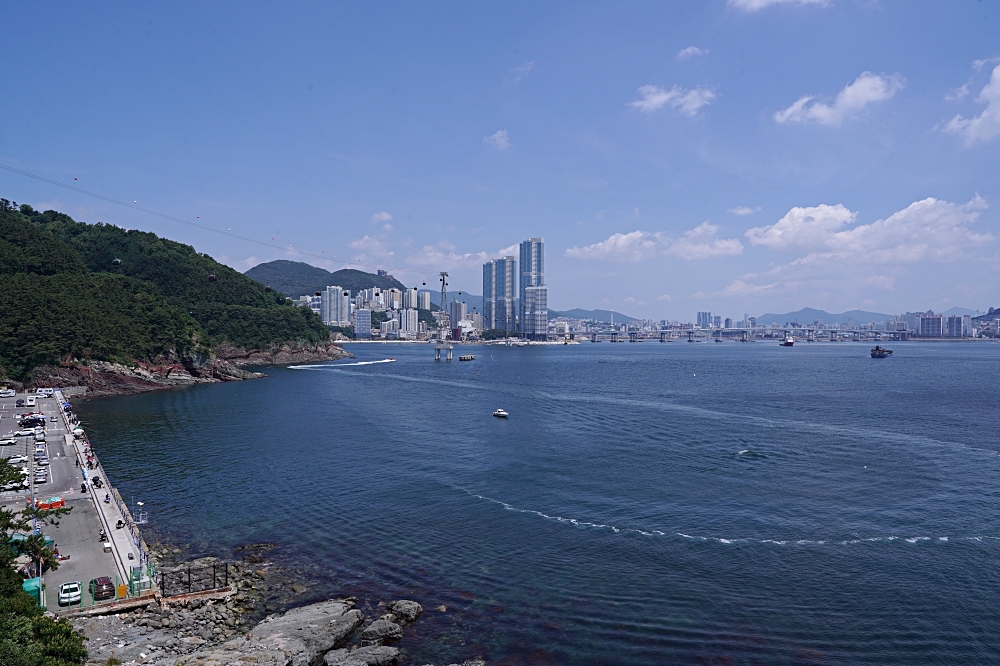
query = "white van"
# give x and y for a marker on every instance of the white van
(30, 401)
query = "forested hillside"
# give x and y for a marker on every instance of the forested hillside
(296, 278)
(71, 289)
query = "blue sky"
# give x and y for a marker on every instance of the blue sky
(737, 156)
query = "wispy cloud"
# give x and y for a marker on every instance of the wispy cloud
(688, 102)
(744, 210)
(381, 217)
(444, 255)
(866, 89)
(498, 140)
(635, 246)
(690, 52)
(986, 125)
(521, 70)
(757, 5)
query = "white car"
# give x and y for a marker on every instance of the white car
(15, 460)
(70, 593)
(24, 433)
(43, 460)
(8, 442)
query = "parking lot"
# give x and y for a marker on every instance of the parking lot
(77, 534)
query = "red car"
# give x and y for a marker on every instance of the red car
(102, 588)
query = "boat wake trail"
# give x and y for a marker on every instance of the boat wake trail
(735, 540)
(339, 365)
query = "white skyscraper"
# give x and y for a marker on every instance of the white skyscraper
(532, 274)
(408, 323)
(335, 306)
(535, 320)
(424, 300)
(499, 287)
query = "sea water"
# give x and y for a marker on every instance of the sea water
(644, 503)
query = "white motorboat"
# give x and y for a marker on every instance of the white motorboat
(500, 414)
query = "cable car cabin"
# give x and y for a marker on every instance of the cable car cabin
(212, 278)
(267, 288)
(116, 262)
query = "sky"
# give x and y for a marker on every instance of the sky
(739, 156)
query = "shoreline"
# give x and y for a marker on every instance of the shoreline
(97, 379)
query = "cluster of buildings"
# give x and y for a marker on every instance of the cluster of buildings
(514, 301)
(912, 324)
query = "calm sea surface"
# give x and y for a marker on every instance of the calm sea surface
(643, 504)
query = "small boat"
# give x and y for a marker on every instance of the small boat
(467, 357)
(879, 351)
(500, 414)
(788, 341)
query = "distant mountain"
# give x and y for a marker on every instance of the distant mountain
(596, 315)
(296, 278)
(809, 315)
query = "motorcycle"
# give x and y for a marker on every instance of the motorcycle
(107, 499)
(83, 487)
(104, 536)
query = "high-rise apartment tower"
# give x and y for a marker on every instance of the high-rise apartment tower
(499, 288)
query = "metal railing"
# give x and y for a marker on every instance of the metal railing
(188, 579)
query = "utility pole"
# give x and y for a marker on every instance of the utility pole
(444, 319)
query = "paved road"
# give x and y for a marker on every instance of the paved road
(77, 534)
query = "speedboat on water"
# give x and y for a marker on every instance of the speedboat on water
(788, 341)
(879, 351)
(500, 414)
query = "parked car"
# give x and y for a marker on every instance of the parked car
(70, 593)
(16, 460)
(24, 433)
(102, 588)
(44, 460)
(8, 442)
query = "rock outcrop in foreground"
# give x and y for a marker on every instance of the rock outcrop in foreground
(206, 634)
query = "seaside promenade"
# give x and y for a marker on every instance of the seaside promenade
(83, 556)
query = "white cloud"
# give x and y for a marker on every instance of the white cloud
(498, 140)
(866, 89)
(509, 251)
(631, 247)
(381, 216)
(803, 227)
(701, 243)
(636, 246)
(665, 298)
(444, 257)
(757, 5)
(690, 52)
(688, 102)
(744, 210)
(742, 288)
(927, 230)
(371, 249)
(979, 64)
(986, 125)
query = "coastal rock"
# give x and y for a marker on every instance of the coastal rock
(381, 630)
(376, 655)
(308, 632)
(281, 354)
(407, 610)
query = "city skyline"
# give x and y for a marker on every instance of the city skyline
(731, 155)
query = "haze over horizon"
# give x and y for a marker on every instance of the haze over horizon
(741, 156)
